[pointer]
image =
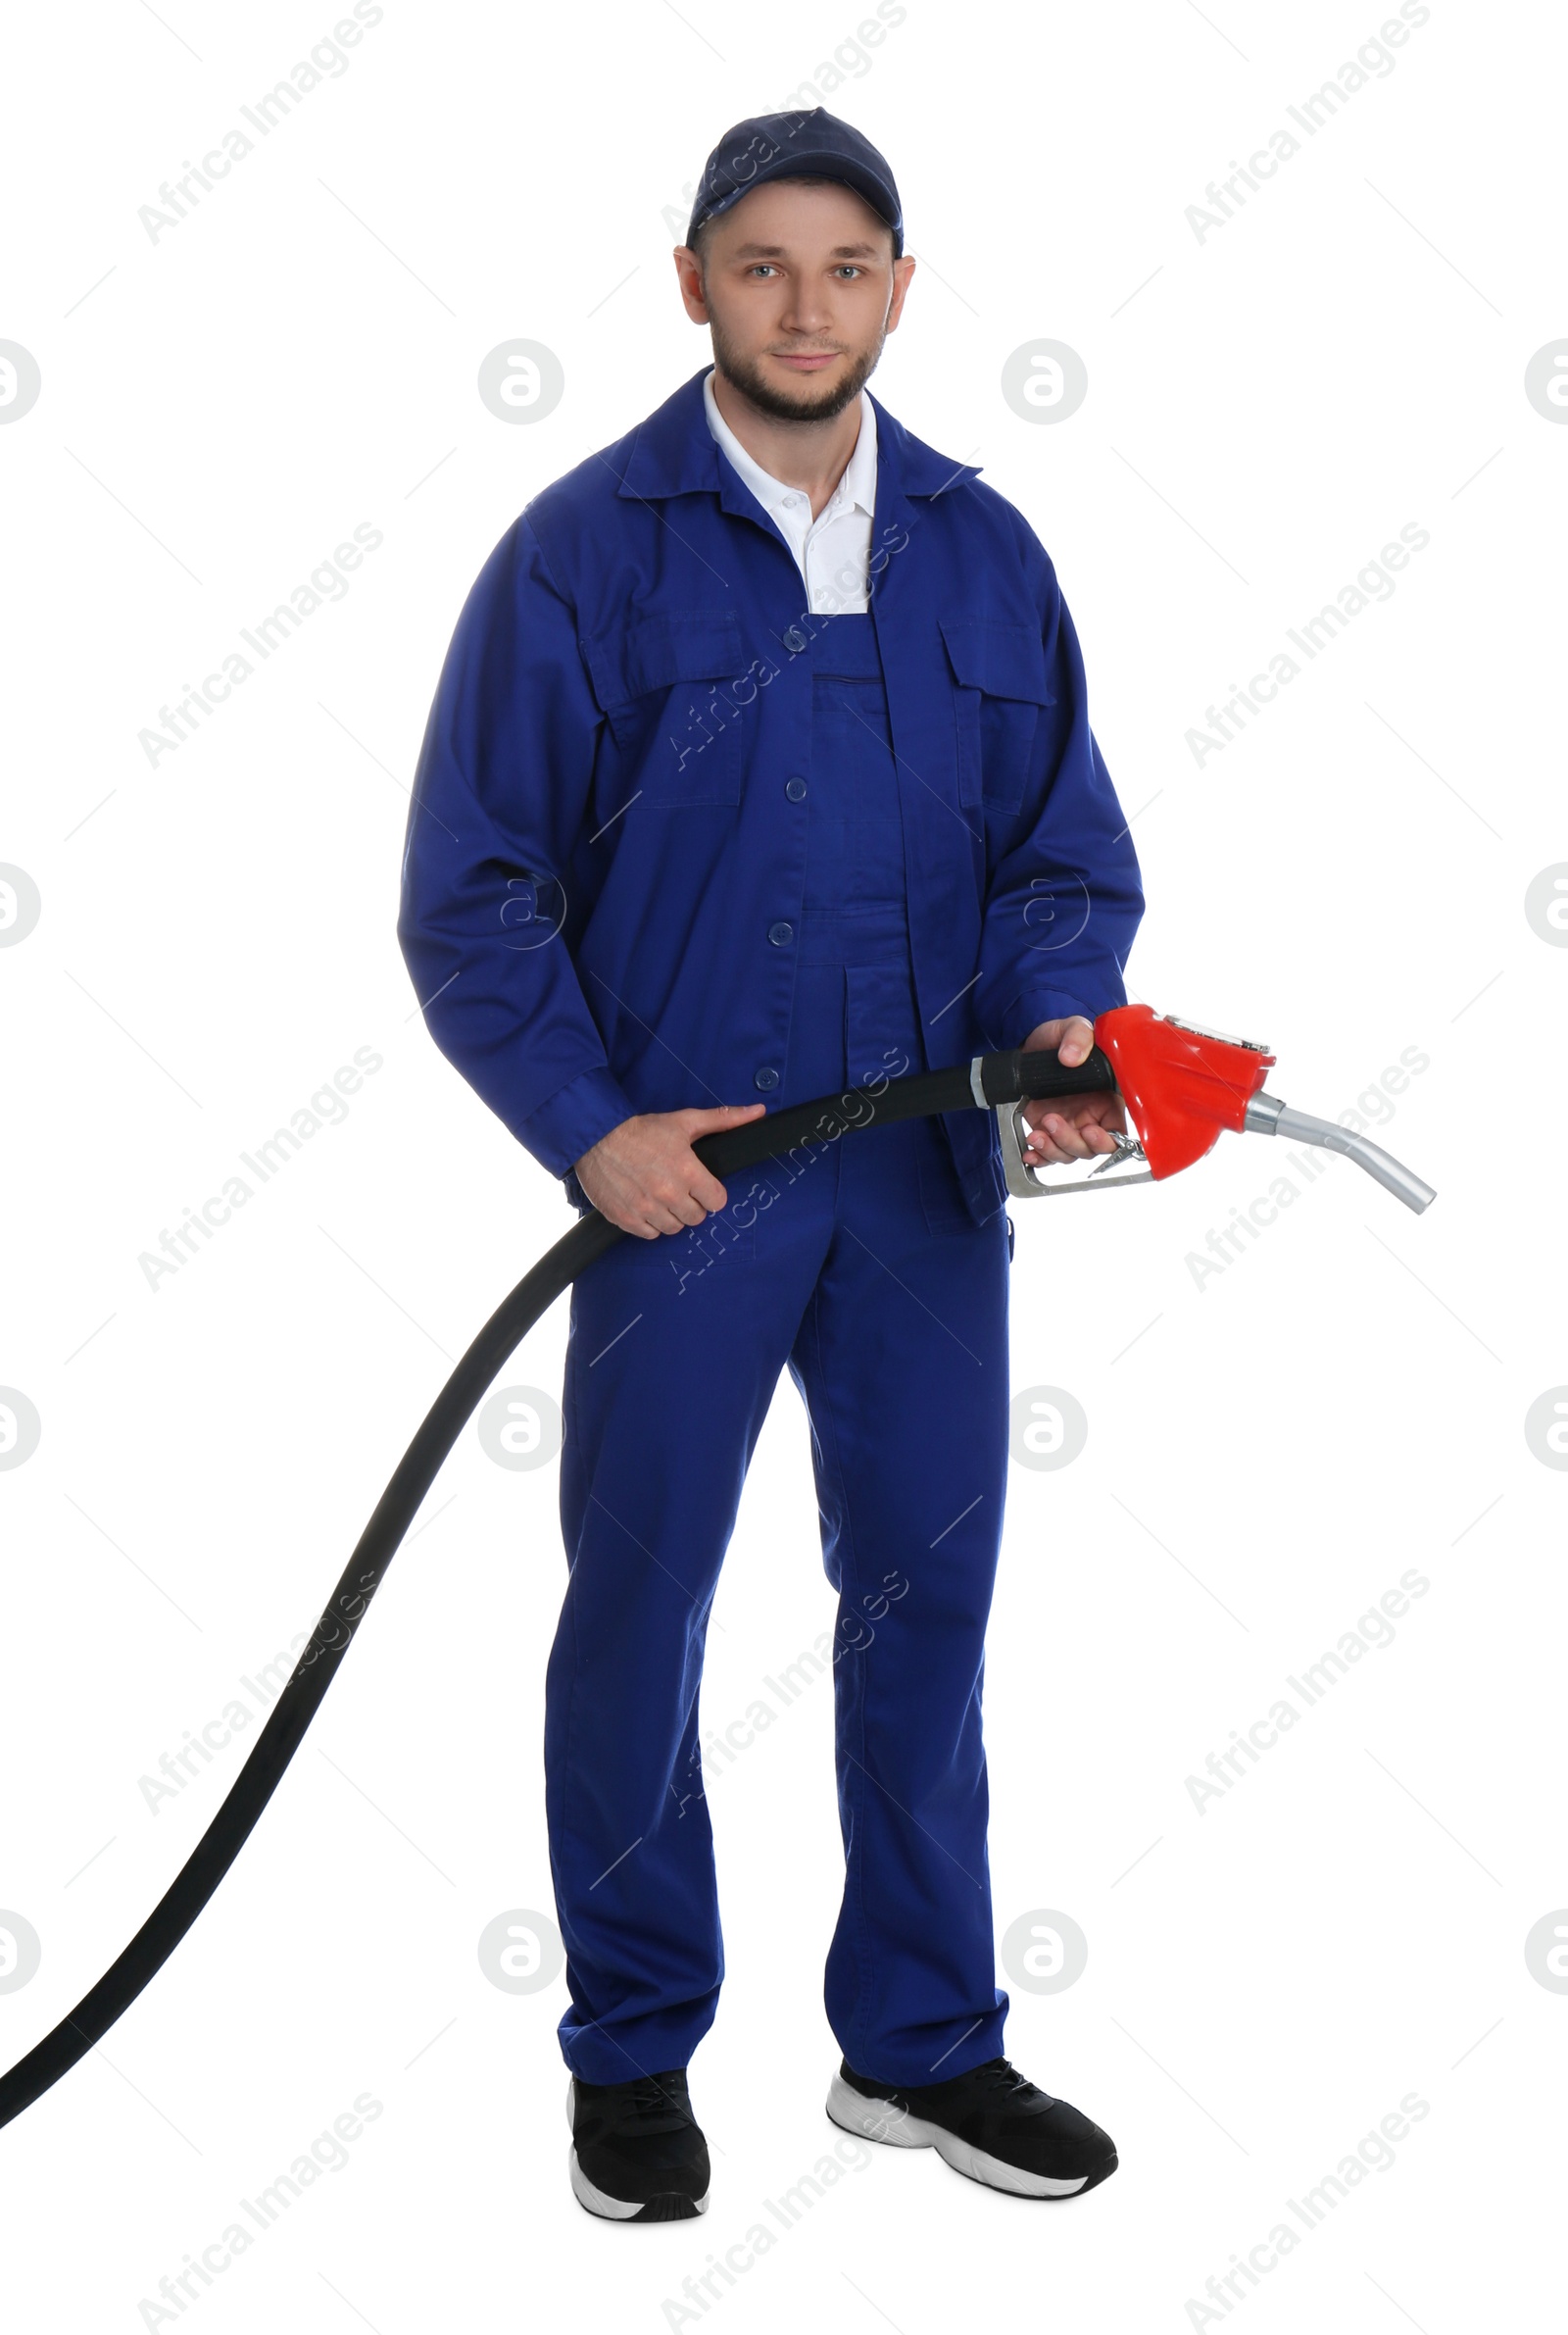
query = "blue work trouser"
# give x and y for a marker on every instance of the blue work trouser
(856, 1264)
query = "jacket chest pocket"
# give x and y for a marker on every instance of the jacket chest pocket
(673, 688)
(1001, 685)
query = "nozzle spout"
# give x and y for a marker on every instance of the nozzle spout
(1266, 1115)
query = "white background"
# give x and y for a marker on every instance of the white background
(1345, 1925)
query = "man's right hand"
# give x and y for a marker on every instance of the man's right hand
(645, 1176)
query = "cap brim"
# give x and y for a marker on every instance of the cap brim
(848, 174)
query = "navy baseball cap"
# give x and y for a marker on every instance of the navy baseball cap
(815, 144)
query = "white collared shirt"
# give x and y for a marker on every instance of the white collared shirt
(833, 551)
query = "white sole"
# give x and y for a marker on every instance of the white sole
(881, 2120)
(597, 2201)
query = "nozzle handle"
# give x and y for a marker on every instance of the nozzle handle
(1039, 1075)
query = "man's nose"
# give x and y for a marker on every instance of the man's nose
(807, 310)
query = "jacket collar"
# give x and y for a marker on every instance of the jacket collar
(673, 452)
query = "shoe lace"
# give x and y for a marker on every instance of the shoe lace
(649, 2097)
(1001, 2075)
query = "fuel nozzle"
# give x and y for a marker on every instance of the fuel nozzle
(1266, 1115)
(1181, 1086)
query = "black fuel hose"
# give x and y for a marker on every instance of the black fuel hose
(991, 1079)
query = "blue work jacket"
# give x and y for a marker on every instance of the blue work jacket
(603, 835)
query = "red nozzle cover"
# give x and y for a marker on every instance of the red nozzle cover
(1180, 1086)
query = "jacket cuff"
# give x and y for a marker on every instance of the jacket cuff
(573, 1119)
(1034, 1006)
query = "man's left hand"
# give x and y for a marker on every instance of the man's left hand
(1069, 1126)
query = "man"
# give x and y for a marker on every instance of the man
(760, 768)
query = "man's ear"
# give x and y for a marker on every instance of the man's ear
(689, 277)
(903, 273)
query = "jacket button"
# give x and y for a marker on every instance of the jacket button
(795, 788)
(766, 1079)
(779, 933)
(793, 640)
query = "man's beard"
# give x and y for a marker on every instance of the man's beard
(775, 403)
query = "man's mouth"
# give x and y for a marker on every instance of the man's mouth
(807, 361)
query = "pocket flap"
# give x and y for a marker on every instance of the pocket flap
(654, 652)
(1003, 659)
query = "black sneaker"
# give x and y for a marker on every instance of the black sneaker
(637, 2151)
(990, 2123)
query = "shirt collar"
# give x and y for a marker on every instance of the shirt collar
(672, 450)
(856, 490)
